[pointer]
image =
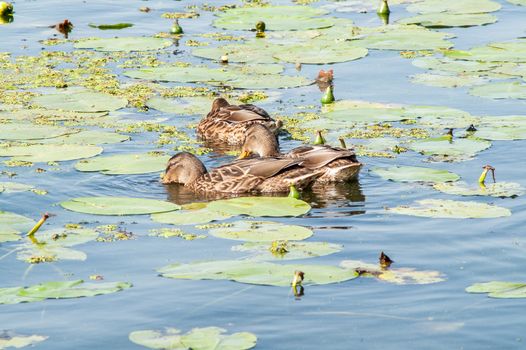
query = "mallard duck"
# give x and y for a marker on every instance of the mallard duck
(241, 176)
(226, 123)
(332, 163)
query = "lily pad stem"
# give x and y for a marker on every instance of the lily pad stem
(38, 225)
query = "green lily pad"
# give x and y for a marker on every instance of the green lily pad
(262, 231)
(453, 6)
(190, 74)
(501, 133)
(124, 164)
(512, 51)
(8, 340)
(11, 225)
(401, 275)
(257, 272)
(294, 250)
(518, 2)
(58, 290)
(209, 338)
(447, 20)
(261, 206)
(115, 26)
(83, 101)
(118, 205)
(435, 208)
(499, 189)
(192, 214)
(497, 289)
(49, 114)
(404, 37)
(19, 131)
(13, 187)
(366, 115)
(86, 137)
(182, 106)
(453, 66)
(444, 147)
(447, 81)
(415, 174)
(126, 44)
(505, 121)
(250, 52)
(266, 81)
(500, 90)
(275, 18)
(50, 153)
(314, 53)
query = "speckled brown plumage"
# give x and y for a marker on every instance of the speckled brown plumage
(227, 123)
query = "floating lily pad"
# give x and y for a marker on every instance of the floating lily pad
(124, 164)
(48, 114)
(294, 250)
(118, 205)
(11, 225)
(500, 90)
(447, 19)
(262, 231)
(443, 147)
(13, 187)
(192, 214)
(261, 206)
(209, 338)
(182, 106)
(501, 133)
(86, 137)
(435, 208)
(50, 153)
(499, 189)
(267, 81)
(401, 275)
(275, 18)
(124, 44)
(58, 290)
(252, 52)
(497, 289)
(8, 340)
(415, 174)
(366, 115)
(512, 51)
(257, 272)
(447, 81)
(83, 101)
(319, 54)
(115, 26)
(518, 2)
(453, 66)
(453, 6)
(190, 74)
(19, 131)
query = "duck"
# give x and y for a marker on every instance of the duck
(255, 175)
(333, 164)
(226, 123)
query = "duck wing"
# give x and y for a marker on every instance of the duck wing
(315, 157)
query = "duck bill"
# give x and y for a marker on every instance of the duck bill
(244, 154)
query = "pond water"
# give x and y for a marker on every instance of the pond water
(363, 313)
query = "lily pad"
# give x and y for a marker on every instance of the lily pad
(11, 225)
(294, 250)
(512, 51)
(24, 131)
(209, 338)
(501, 133)
(126, 44)
(266, 81)
(443, 147)
(447, 81)
(13, 187)
(275, 18)
(415, 174)
(118, 205)
(58, 290)
(86, 137)
(453, 66)
(453, 6)
(321, 54)
(435, 208)
(190, 74)
(252, 52)
(501, 90)
(83, 101)
(261, 206)
(401, 275)
(497, 289)
(257, 272)
(50, 153)
(262, 231)
(499, 189)
(447, 20)
(8, 340)
(192, 214)
(124, 164)
(115, 26)
(182, 106)
(518, 2)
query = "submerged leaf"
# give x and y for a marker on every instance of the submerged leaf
(118, 205)
(436, 208)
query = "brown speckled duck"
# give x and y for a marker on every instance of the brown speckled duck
(263, 175)
(333, 164)
(227, 123)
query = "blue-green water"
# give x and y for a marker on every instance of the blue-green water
(359, 314)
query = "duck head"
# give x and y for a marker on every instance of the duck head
(261, 141)
(219, 103)
(183, 168)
